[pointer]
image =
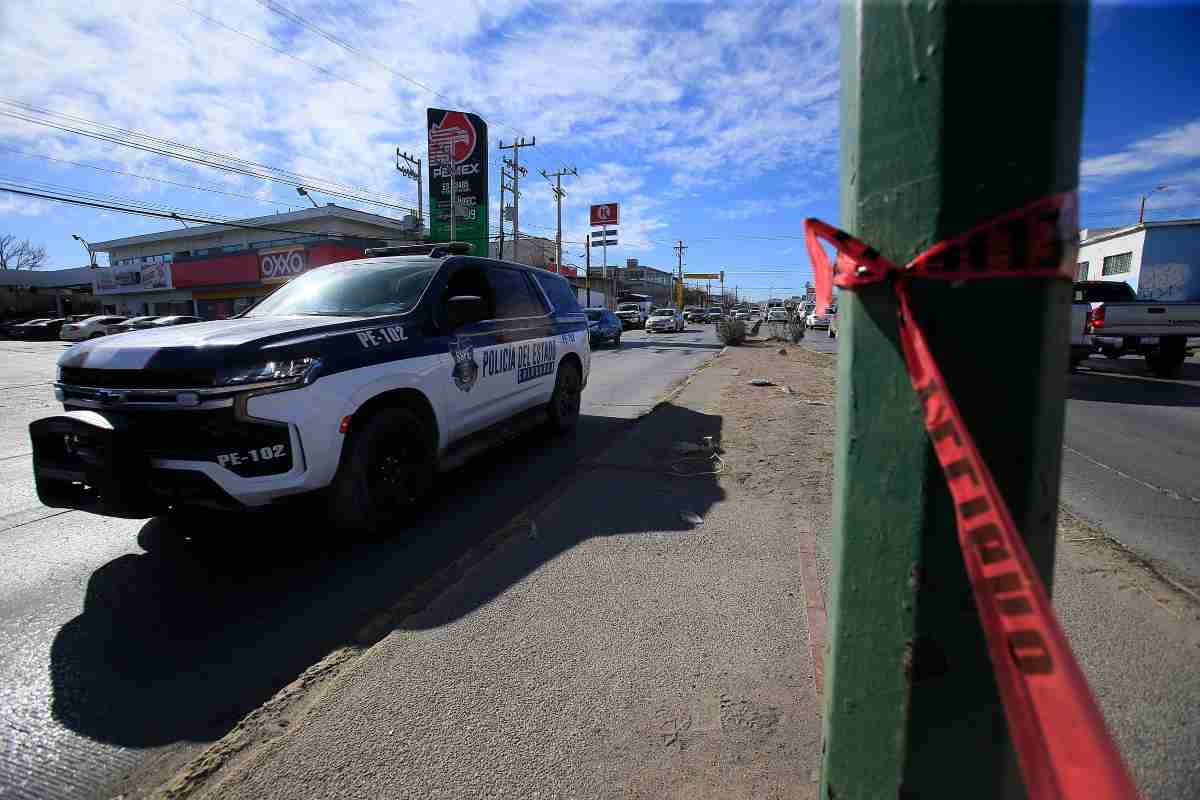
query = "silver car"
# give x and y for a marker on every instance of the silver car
(665, 319)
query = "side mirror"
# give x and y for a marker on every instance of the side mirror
(464, 310)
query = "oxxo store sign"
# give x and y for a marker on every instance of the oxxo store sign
(282, 264)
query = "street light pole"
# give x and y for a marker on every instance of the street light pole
(300, 190)
(1142, 210)
(86, 246)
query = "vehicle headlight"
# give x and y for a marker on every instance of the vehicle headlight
(284, 371)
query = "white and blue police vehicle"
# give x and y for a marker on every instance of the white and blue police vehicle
(361, 380)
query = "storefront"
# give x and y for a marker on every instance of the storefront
(211, 287)
(217, 271)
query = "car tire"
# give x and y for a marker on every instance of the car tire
(617, 342)
(564, 402)
(96, 335)
(1167, 361)
(387, 469)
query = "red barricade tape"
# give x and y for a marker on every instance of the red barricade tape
(1058, 733)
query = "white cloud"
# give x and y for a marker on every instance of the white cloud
(23, 206)
(694, 94)
(1166, 149)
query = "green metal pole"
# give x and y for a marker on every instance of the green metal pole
(952, 113)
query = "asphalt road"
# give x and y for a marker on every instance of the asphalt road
(1131, 461)
(117, 650)
(1131, 458)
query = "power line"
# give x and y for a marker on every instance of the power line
(174, 215)
(288, 14)
(164, 147)
(270, 46)
(212, 189)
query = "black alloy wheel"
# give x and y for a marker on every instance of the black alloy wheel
(564, 403)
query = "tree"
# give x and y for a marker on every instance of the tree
(20, 254)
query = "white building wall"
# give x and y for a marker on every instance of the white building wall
(1096, 252)
(1170, 265)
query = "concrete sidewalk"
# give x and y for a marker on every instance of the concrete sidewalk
(612, 648)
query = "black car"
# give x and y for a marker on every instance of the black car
(603, 326)
(39, 330)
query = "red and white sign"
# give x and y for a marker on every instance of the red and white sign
(277, 266)
(605, 214)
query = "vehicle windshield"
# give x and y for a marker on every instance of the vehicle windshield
(663, 312)
(627, 307)
(1114, 292)
(352, 289)
(594, 314)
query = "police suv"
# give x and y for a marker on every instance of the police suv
(361, 379)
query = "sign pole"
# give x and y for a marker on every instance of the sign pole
(587, 272)
(911, 701)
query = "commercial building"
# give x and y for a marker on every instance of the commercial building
(535, 251)
(46, 292)
(216, 271)
(635, 278)
(1159, 260)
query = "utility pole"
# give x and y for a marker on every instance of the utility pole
(587, 270)
(411, 168)
(559, 194)
(518, 172)
(911, 704)
(679, 248)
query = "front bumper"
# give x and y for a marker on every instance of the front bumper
(140, 462)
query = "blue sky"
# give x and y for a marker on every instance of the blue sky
(712, 123)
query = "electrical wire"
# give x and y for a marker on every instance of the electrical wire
(171, 149)
(212, 189)
(184, 216)
(269, 46)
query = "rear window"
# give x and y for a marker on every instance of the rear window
(1114, 292)
(561, 295)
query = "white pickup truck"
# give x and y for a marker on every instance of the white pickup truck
(1117, 324)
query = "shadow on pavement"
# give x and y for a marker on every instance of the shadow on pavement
(629, 490)
(181, 642)
(1128, 386)
(673, 345)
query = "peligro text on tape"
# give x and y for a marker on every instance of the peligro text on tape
(1062, 745)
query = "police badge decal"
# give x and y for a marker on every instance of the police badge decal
(466, 369)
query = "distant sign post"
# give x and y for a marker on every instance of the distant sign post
(603, 216)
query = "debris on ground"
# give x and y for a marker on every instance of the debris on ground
(782, 351)
(760, 382)
(692, 517)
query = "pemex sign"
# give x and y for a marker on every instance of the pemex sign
(458, 153)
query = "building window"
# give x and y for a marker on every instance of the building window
(1118, 264)
(1081, 271)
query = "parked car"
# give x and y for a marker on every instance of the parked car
(665, 319)
(714, 314)
(16, 330)
(603, 327)
(817, 320)
(777, 314)
(1120, 324)
(133, 324)
(90, 328)
(40, 330)
(178, 319)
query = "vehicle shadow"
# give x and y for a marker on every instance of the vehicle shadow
(1121, 384)
(182, 641)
